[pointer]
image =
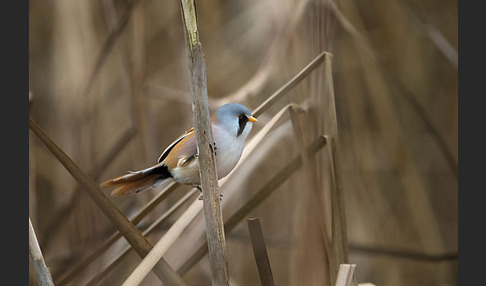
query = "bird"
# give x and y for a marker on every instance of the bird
(231, 124)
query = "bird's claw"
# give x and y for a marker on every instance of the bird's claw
(201, 195)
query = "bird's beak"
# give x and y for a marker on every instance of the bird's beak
(252, 119)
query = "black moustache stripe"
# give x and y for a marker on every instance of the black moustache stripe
(242, 123)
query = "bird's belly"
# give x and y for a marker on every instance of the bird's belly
(226, 159)
(188, 174)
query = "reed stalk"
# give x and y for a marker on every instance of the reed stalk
(43, 274)
(260, 252)
(346, 275)
(204, 138)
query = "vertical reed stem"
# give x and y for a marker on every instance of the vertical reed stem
(260, 251)
(204, 139)
(338, 214)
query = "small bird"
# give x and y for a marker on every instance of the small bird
(230, 124)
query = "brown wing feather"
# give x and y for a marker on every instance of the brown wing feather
(184, 149)
(173, 144)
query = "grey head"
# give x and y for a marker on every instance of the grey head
(235, 117)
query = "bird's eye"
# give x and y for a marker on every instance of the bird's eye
(240, 116)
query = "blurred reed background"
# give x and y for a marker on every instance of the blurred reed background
(109, 84)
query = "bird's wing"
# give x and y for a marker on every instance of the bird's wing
(173, 144)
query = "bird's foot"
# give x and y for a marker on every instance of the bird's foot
(201, 196)
(200, 190)
(214, 148)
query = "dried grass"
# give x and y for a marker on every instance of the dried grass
(109, 85)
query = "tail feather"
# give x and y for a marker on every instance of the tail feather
(136, 186)
(135, 182)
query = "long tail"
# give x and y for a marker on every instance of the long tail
(138, 181)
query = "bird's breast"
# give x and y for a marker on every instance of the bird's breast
(227, 156)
